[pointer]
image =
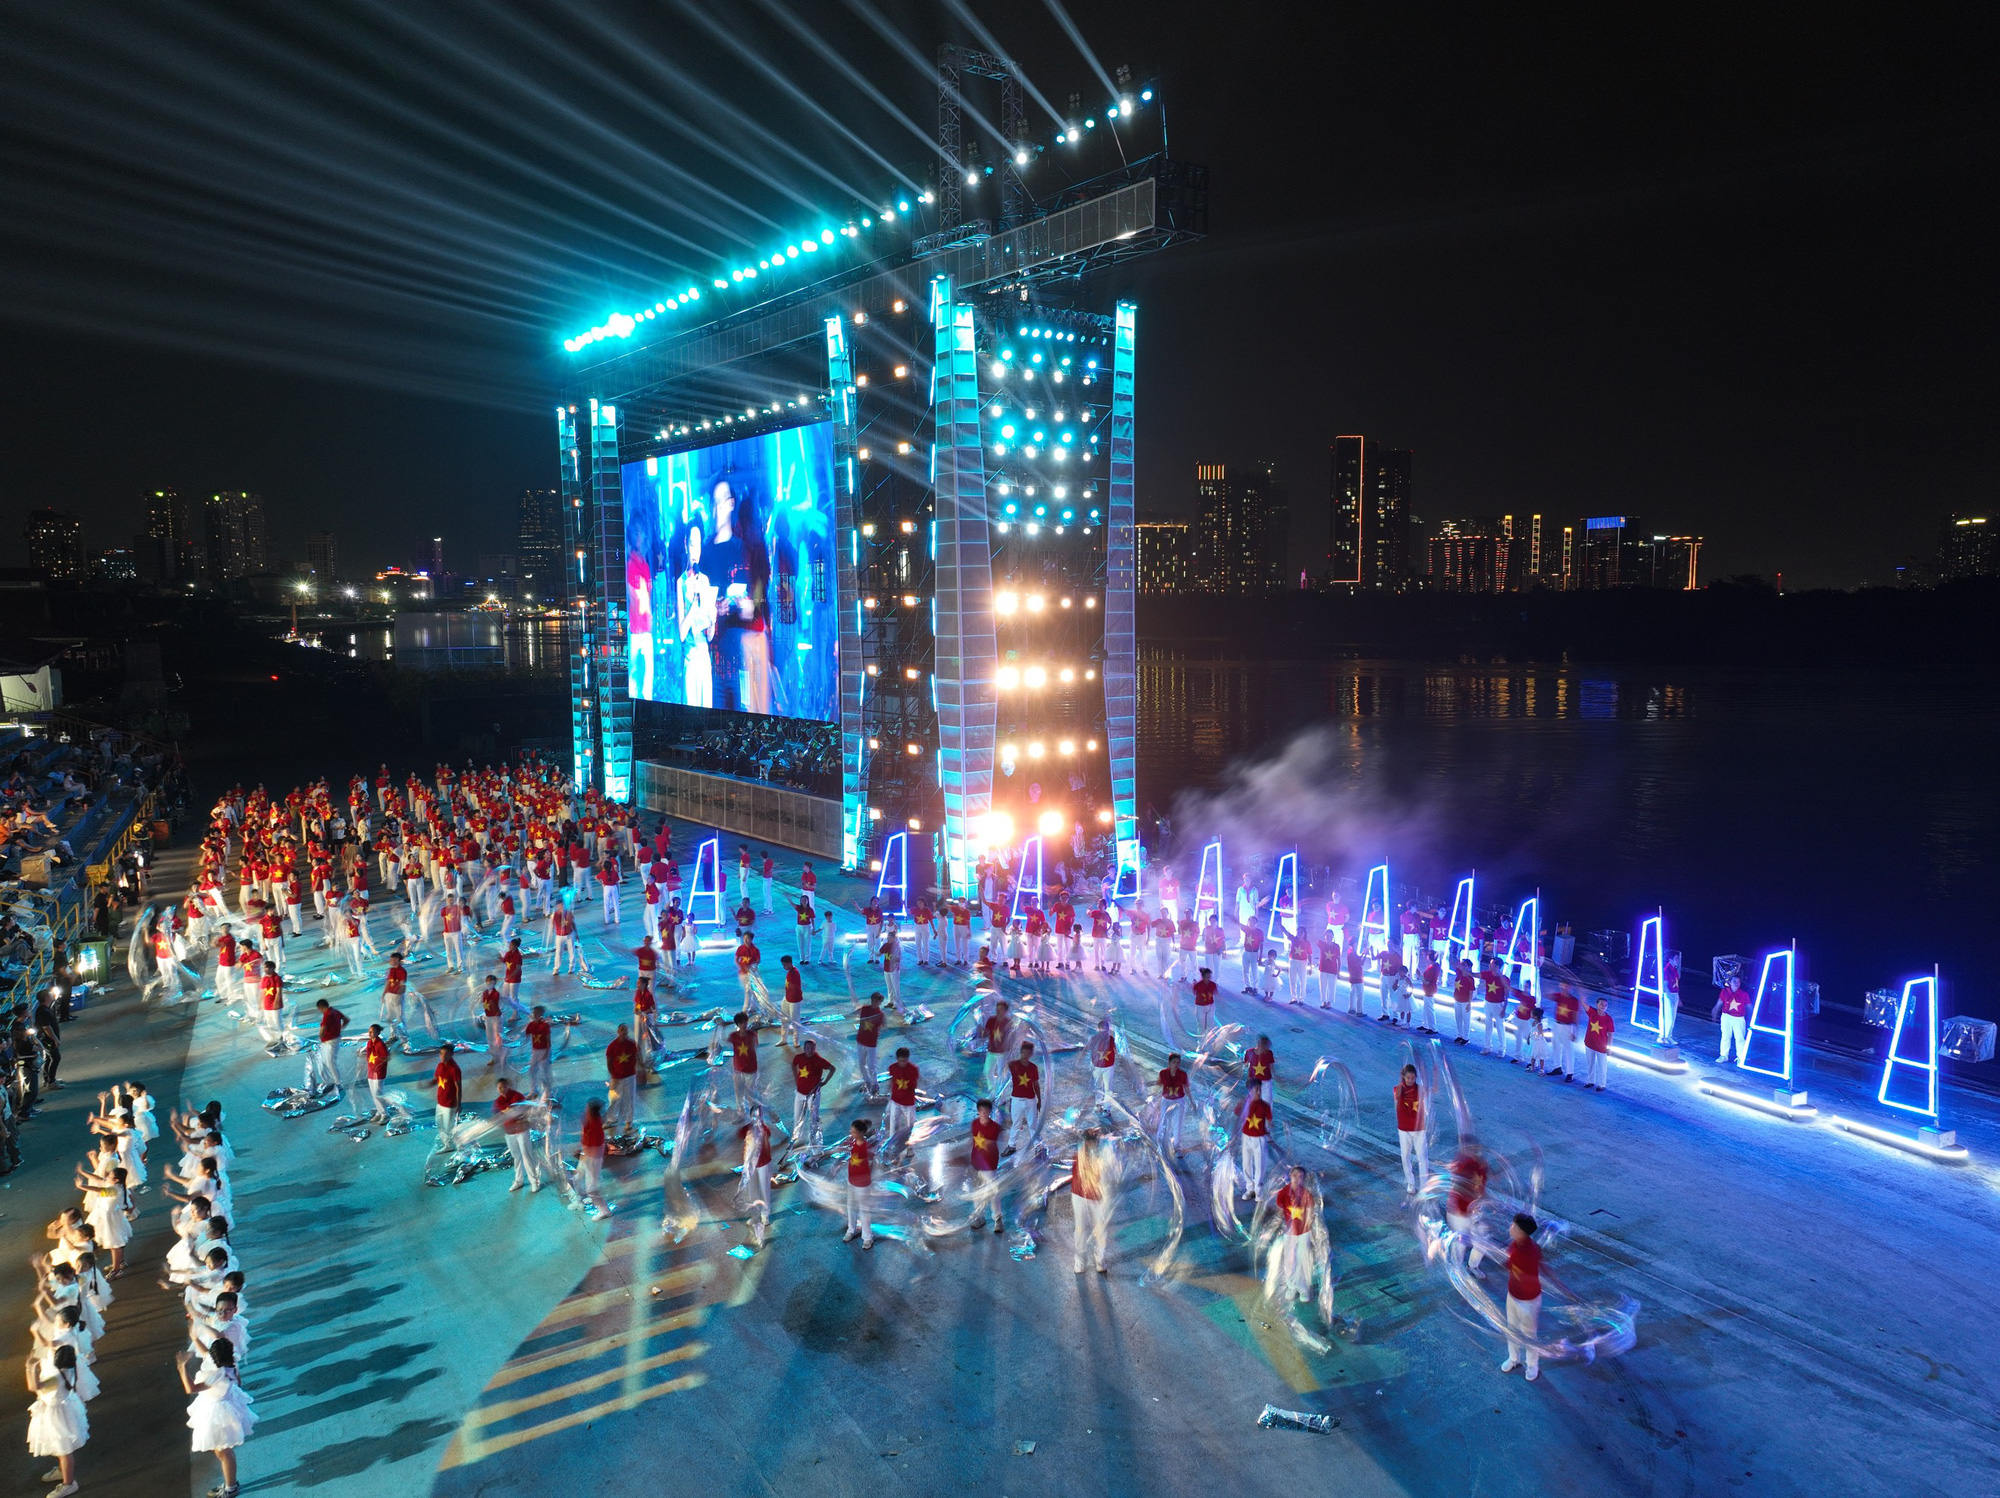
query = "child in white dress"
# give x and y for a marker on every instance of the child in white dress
(58, 1425)
(219, 1414)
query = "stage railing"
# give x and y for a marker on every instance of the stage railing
(751, 808)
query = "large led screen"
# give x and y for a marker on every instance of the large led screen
(729, 566)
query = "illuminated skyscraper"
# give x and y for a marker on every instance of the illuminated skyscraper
(1240, 529)
(234, 524)
(174, 550)
(1969, 546)
(1164, 563)
(538, 552)
(1343, 542)
(1368, 541)
(55, 543)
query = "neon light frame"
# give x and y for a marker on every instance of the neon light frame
(1529, 918)
(1368, 922)
(1021, 881)
(708, 856)
(898, 845)
(1653, 935)
(1930, 1066)
(1284, 916)
(1456, 946)
(1128, 864)
(1790, 957)
(1201, 883)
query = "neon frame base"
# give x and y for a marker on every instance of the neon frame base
(1940, 1145)
(1664, 1059)
(1782, 1103)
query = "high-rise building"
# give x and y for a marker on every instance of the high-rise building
(55, 543)
(1968, 546)
(1368, 540)
(234, 526)
(1670, 562)
(117, 565)
(1474, 555)
(174, 551)
(538, 552)
(1239, 529)
(1164, 561)
(1609, 556)
(1343, 542)
(322, 556)
(1566, 565)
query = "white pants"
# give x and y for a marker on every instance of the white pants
(1100, 1081)
(757, 1184)
(805, 1118)
(1253, 1162)
(1462, 1020)
(1426, 1012)
(329, 1071)
(864, 1064)
(610, 904)
(1524, 1317)
(1735, 1027)
(767, 894)
(1670, 1010)
(1566, 1049)
(590, 1176)
(857, 1196)
(649, 916)
(986, 1197)
(618, 1117)
(1463, 1227)
(375, 1096)
(1027, 1113)
(525, 1173)
(1495, 1041)
(1172, 1110)
(899, 1120)
(1090, 1226)
(1596, 1064)
(1295, 1274)
(540, 1074)
(1415, 1152)
(446, 1117)
(744, 1084)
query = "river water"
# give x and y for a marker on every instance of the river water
(1856, 811)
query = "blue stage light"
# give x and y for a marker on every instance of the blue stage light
(1458, 929)
(895, 880)
(867, 223)
(1211, 857)
(1021, 884)
(1777, 983)
(1375, 909)
(1007, 430)
(1147, 95)
(1284, 922)
(707, 884)
(826, 236)
(1921, 991)
(720, 284)
(904, 205)
(810, 246)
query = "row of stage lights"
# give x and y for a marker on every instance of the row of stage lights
(996, 829)
(1007, 678)
(750, 413)
(1010, 602)
(808, 247)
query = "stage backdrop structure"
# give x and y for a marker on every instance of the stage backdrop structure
(881, 477)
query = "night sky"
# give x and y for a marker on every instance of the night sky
(1729, 269)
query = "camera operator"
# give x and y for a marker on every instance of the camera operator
(27, 1070)
(48, 1030)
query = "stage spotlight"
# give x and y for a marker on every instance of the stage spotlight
(1090, 744)
(1007, 678)
(1147, 95)
(1035, 676)
(1006, 603)
(1035, 600)
(1051, 823)
(1020, 158)
(972, 179)
(1068, 675)
(826, 236)
(996, 827)
(1104, 817)
(905, 206)
(1071, 136)
(1067, 746)
(1035, 751)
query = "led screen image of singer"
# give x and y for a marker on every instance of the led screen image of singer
(728, 575)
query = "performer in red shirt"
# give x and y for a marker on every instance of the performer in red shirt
(1256, 1132)
(1597, 1031)
(540, 1071)
(1298, 1209)
(331, 1023)
(743, 1063)
(1173, 1103)
(902, 1112)
(1524, 1296)
(511, 1109)
(1468, 1188)
(375, 1065)
(809, 1072)
(795, 996)
(1733, 1009)
(756, 1137)
(450, 1088)
(1261, 1063)
(589, 1178)
(1461, 1001)
(1567, 1007)
(1204, 1004)
(621, 1065)
(985, 1163)
(1091, 1183)
(1024, 1101)
(998, 1029)
(1410, 1136)
(489, 1009)
(1103, 1060)
(868, 1032)
(510, 973)
(860, 1173)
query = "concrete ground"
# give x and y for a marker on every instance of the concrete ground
(1815, 1308)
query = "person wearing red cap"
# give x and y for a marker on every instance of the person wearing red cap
(1524, 1296)
(860, 1176)
(621, 1065)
